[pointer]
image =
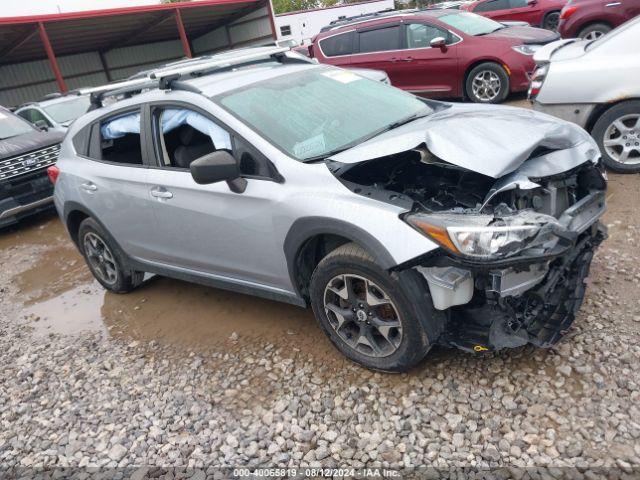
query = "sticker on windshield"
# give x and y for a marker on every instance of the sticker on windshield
(310, 147)
(342, 76)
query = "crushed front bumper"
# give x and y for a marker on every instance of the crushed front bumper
(494, 319)
(531, 298)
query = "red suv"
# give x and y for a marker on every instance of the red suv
(591, 19)
(539, 13)
(437, 53)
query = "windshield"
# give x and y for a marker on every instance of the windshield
(63, 112)
(318, 112)
(470, 23)
(12, 126)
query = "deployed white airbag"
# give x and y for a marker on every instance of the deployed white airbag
(172, 118)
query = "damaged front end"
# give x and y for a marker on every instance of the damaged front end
(514, 250)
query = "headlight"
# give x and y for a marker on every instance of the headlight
(526, 49)
(483, 236)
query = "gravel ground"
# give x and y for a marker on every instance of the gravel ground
(98, 399)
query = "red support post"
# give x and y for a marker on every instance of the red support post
(183, 34)
(52, 58)
(274, 34)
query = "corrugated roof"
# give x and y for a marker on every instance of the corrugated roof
(102, 30)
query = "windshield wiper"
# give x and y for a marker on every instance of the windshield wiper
(391, 126)
(494, 30)
(327, 154)
(404, 121)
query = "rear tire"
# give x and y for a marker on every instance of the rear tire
(617, 133)
(594, 31)
(105, 260)
(487, 83)
(385, 321)
(551, 20)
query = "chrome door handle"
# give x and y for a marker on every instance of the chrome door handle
(407, 59)
(161, 193)
(613, 4)
(89, 187)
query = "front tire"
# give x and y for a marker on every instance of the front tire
(104, 259)
(487, 83)
(617, 133)
(594, 31)
(381, 321)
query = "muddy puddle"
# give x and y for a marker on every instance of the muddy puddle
(57, 294)
(48, 283)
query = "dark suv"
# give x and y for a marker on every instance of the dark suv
(25, 154)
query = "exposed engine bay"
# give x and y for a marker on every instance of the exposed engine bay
(433, 185)
(515, 250)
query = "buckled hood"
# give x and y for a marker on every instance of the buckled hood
(487, 139)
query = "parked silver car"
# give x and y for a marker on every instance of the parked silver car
(402, 222)
(596, 85)
(55, 112)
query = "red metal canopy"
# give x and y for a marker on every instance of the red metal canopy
(49, 36)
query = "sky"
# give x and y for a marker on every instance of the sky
(12, 8)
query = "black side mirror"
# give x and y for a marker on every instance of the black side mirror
(217, 167)
(439, 42)
(42, 125)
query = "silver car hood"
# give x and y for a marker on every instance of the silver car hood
(488, 139)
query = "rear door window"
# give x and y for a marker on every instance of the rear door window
(380, 39)
(337, 45)
(117, 139)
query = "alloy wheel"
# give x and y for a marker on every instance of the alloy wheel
(486, 85)
(622, 139)
(100, 258)
(593, 35)
(363, 315)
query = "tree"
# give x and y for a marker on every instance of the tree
(283, 6)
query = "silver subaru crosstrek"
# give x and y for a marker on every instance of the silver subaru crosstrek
(403, 222)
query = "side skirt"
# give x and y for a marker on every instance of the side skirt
(216, 281)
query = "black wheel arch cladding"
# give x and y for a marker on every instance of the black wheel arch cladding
(305, 229)
(71, 208)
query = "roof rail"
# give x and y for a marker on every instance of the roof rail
(119, 88)
(223, 60)
(171, 77)
(358, 18)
